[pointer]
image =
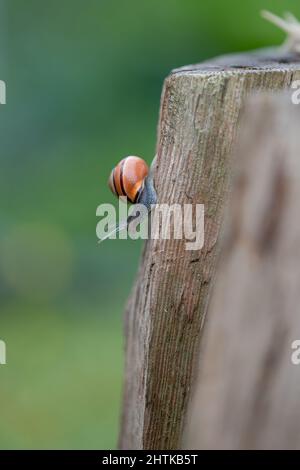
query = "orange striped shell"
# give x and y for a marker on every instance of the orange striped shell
(127, 178)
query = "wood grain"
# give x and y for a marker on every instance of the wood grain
(199, 116)
(247, 394)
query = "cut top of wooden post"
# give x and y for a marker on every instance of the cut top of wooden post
(271, 59)
(199, 118)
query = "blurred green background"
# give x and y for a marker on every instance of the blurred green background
(83, 79)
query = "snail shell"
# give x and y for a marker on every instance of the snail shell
(128, 178)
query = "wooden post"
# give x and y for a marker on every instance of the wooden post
(248, 390)
(199, 117)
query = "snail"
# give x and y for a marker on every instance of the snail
(290, 25)
(132, 178)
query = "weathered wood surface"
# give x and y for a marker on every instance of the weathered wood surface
(247, 395)
(199, 116)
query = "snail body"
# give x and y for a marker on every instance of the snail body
(291, 26)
